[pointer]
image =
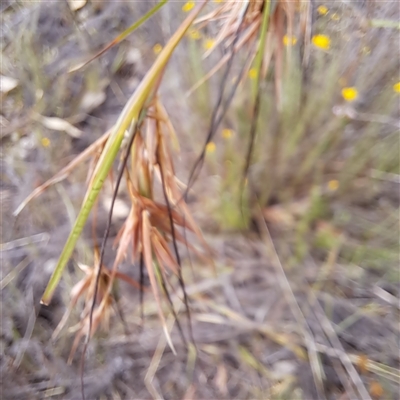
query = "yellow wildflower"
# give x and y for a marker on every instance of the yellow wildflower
(157, 48)
(322, 10)
(209, 44)
(188, 6)
(218, 1)
(210, 148)
(45, 142)
(289, 40)
(252, 73)
(349, 93)
(227, 133)
(322, 41)
(396, 87)
(194, 34)
(333, 185)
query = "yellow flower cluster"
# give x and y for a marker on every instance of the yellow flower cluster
(252, 73)
(321, 41)
(289, 40)
(333, 185)
(210, 148)
(322, 10)
(349, 93)
(45, 142)
(188, 6)
(209, 44)
(194, 34)
(227, 133)
(157, 48)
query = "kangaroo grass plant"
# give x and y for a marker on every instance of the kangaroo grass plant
(144, 126)
(147, 230)
(286, 157)
(143, 129)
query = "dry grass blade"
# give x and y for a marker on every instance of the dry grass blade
(25, 241)
(163, 253)
(86, 288)
(124, 237)
(155, 361)
(58, 124)
(164, 117)
(147, 251)
(27, 335)
(316, 367)
(76, 292)
(170, 216)
(377, 368)
(327, 327)
(343, 356)
(245, 323)
(14, 273)
(64, 172)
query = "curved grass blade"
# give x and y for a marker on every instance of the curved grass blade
(151, 269)
(121, 36)
(130, 114)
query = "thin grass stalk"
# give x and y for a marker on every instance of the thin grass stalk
(213, 124)
(162, 280)
(177, 255)
(256, 110)
(121, 36)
